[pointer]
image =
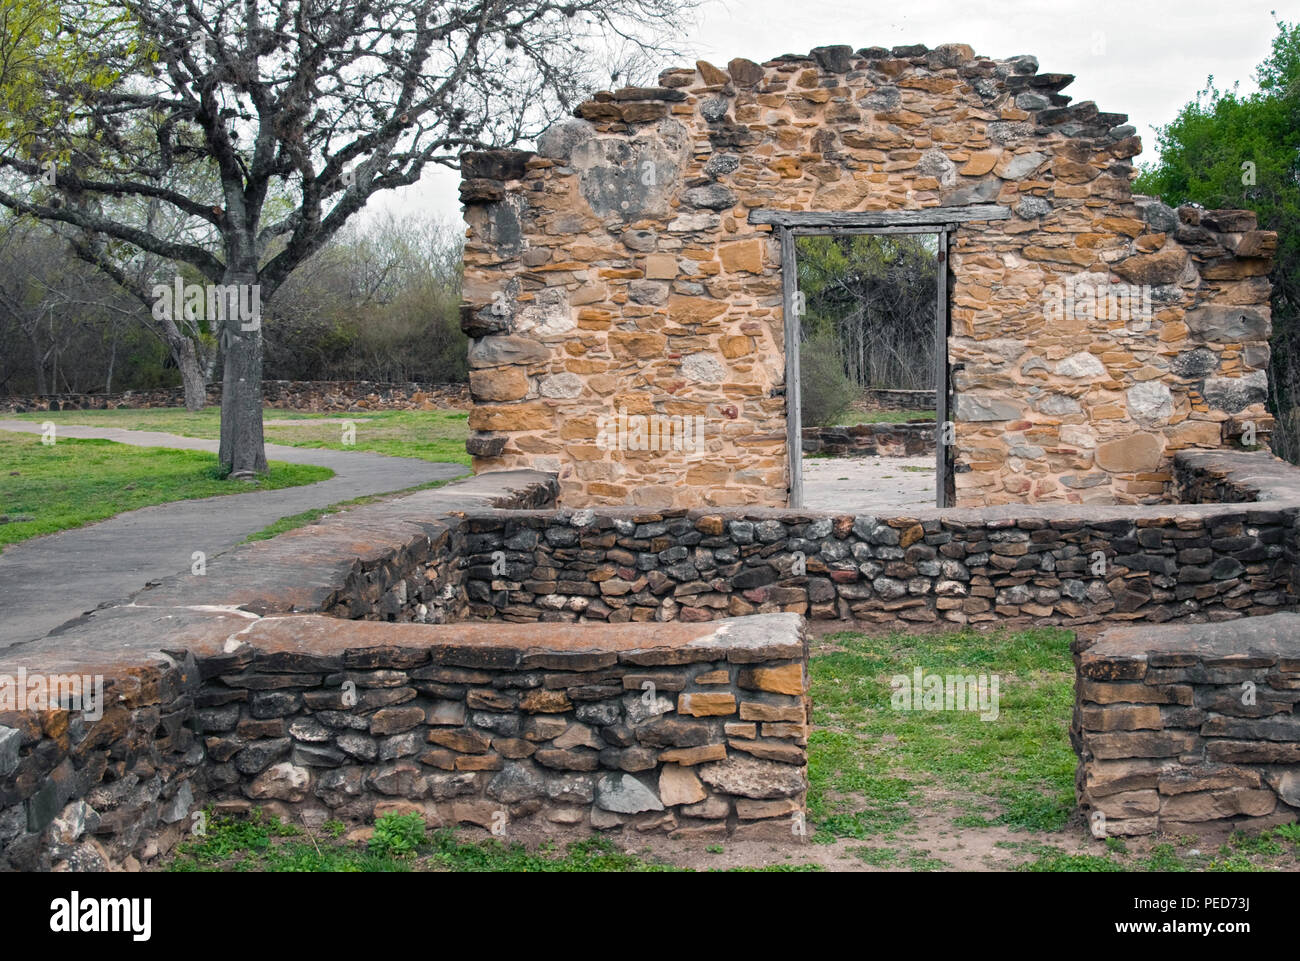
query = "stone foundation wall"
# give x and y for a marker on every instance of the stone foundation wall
(1093, 333)
(688, 731)
(315, 396)
(1201, 561)
(861, 440)
(1182, 728)
(1058, 567)
(699, 732)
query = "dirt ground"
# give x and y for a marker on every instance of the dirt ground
(865, 485)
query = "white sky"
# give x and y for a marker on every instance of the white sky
(1145, 58)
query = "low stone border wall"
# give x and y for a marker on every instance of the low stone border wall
(1057, 565)
(694, 730)
(885, 398)
(914, 439)
(315, 396)
(234, 687)
(1186, 727)
(83, 793)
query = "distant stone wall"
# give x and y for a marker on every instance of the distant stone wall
(886, 398)
(1093, 333)
(317, 396)
(885, 440)
(1185, 727)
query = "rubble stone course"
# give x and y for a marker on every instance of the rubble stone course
(1057, 565)
(316, 396)
(616, 269)
(1190, 726)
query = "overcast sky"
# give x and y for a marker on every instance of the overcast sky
(1145, 58)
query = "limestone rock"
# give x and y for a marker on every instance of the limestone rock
(625, 794)
(753, 778)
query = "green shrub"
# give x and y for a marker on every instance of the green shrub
(826, 391)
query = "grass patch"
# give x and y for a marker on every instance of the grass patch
(399, 843)
(869, 763)
(71, 483)
(1055, 860)
(432, 435)
(883, 417)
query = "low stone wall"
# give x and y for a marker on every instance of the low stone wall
(216, 690)
(1054, 565)
(1187, 727)
(84, 793)
(315, 396)
(688, 730)
(885, 398)
(692, 730)
(914, 439)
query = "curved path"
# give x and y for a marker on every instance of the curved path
(47, 581)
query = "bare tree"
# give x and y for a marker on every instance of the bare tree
(330, 100)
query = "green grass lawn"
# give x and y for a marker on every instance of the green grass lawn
(44, 489)
(433, 435)
(400, 842)
(882, 417)
(869, 763)
(294, 521)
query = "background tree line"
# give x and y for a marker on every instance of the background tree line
(237, 139)
(379, 302)
(868, 318)
(1229, 150)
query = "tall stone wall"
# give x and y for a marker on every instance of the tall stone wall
(616, 271)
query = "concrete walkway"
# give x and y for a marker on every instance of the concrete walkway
(47, 581)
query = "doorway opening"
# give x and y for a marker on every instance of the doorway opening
(868, 383)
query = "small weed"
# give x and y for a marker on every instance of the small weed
(397, 835)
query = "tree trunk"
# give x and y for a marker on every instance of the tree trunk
(38, 365)
(192, 379)
(181, 349)
(243, 448)
(112, 362)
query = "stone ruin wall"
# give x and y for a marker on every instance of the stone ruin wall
(616, 268)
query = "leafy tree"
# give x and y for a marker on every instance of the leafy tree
(872, 297)
(328, 101)
(1225, 149)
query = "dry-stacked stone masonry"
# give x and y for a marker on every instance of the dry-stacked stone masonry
(1189, 726)
(1200, 560)
(696, 731)
(232, 690)
(235, 689)
(619, 269)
